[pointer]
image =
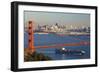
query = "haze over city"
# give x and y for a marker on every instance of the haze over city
(50, 18)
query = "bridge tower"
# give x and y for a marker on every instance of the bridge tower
(31, 37)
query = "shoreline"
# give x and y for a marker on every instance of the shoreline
(69, 34)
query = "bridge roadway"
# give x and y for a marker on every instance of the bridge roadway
(62, 45)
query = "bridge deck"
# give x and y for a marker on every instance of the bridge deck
(62, 45)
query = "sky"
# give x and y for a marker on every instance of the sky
(51, 18)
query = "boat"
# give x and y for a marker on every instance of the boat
(70, 51)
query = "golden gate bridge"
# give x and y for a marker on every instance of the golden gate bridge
(31, 41)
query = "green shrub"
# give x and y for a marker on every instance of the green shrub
(36, 57)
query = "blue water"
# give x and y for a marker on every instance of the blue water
(49, 39)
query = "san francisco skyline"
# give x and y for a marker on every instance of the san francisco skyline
(50, 18)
